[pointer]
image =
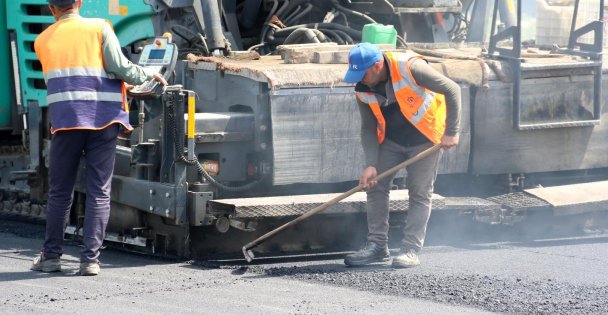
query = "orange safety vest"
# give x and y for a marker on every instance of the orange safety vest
(80, 94)
(422, 107)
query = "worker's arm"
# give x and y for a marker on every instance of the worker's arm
(371, 147)
(369, 138)
(117, 64)
(427, 76)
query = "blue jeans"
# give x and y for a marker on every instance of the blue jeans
(99, 150)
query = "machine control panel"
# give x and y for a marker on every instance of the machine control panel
(160, 56)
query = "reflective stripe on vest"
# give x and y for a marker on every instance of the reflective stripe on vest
(425, 109)
(80, 94)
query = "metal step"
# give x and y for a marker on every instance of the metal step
(519, 202)
(275, 207)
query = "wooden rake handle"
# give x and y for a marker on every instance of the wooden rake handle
(247, 248)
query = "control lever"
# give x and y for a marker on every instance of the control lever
(160, 57)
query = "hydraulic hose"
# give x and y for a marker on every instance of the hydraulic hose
(349, 40)
(282, 9)
(293, 14)
(352, 12)
(334, 36)
(286, 31)
(300, 15)
(310, 36)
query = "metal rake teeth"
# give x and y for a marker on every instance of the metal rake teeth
(249, 256)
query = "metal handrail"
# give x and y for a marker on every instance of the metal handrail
(575, 48)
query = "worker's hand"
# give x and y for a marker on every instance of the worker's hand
(158, 77)
(366, 178)
(128, 86)
(448, 142)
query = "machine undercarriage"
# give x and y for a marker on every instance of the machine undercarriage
(256, 127)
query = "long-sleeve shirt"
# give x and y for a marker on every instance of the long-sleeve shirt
(398, 128)
(115, 62)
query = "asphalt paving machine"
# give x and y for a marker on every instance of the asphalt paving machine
(256, 126)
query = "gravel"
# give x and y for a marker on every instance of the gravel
(503, 295)
(27, 228)
(523, 292)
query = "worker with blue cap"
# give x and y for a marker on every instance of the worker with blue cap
(85, 74)
(406, 107)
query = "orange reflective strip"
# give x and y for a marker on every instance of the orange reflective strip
(53, 131)
(394, 68)
(371, 100)
(125, 104)
(381, 125)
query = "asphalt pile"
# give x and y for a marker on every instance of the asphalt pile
(507, 296)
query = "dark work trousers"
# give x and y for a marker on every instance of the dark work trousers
(419, 181)
(99, 150)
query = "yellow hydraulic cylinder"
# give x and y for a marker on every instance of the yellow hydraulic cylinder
(191, 123)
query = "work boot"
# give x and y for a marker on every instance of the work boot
(407, 258)
(46, 265)
(372, 252)
(89, 268)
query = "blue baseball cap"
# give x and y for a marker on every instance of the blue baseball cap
(360, 58)
(61, 2)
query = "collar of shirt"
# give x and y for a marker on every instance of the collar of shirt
(67, 16)
(384, 90)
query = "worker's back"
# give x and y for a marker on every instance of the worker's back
(80, 92)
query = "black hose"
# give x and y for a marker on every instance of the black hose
(334, 36)
(193, 40)
(349, 40)
(265, 27)
(352, 12)
(286, 31)
(282, 9)
(322, 38)
(343, 17)
(181, 28)
(292, 14)
(295, 37)
(300, 15)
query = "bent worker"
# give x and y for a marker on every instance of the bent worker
(84, 69)
(406, 107)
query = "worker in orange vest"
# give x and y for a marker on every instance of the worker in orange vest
(84, 70)
(406, 107)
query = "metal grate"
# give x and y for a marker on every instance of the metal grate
(296, 209)
(520, 201)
